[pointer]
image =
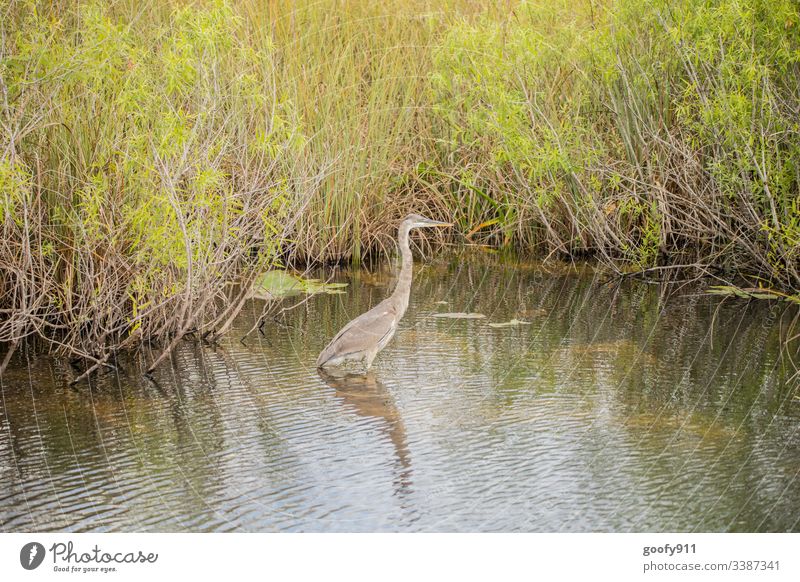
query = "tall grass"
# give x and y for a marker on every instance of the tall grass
(357, 73)
(649, 132)
(156, 156)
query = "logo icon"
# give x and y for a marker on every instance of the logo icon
(31, 555)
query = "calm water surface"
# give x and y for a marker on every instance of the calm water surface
(614, 409)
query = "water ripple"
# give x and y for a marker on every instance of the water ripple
(611, 411)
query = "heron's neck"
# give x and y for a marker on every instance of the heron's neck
(403, 288)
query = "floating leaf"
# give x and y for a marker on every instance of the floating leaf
(277, 284)
(313, 286)
(460, 315)
(751, 293)
(512, 323)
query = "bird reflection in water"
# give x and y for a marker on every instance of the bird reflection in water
(369, 398)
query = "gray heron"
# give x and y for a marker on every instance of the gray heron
(367, 334)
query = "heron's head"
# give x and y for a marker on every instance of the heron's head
(419, 221)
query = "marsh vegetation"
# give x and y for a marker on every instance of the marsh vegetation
(156, 158)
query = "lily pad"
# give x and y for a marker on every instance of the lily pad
(277, 284)
(460, 315)
(512, 323)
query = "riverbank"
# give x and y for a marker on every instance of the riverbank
(154, 156)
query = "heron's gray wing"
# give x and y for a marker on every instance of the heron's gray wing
(365, 332)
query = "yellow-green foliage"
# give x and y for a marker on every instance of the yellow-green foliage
(155, 147)
(15, 190)
(614, 117)
(745, 102)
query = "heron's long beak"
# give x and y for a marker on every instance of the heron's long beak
(437, 223)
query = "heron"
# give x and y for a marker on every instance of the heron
(370, 332)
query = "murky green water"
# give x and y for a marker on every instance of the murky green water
(613, 410)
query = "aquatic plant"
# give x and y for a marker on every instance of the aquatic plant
(277, 284)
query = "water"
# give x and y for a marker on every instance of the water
(616, 409)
